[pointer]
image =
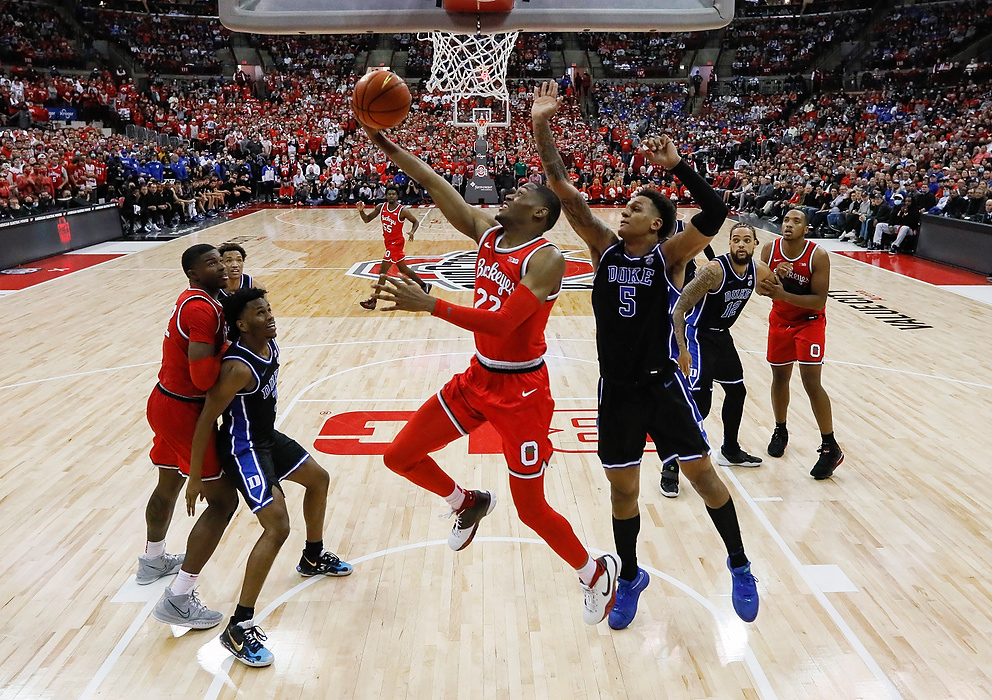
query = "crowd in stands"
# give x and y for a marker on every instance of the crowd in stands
(334, 53)
(641, 55)
(779, 45)
(531, 56)
(36, 35)
(914, 138)
(161, 43)
(917, 36)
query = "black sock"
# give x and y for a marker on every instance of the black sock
(241, 613)
(725, 519)
(625, 536)
(781, 426)
(312, 550)
(828, 439)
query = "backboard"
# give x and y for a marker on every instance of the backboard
(400, 16)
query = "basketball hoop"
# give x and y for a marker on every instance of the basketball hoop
(482, 117)
(471, 65)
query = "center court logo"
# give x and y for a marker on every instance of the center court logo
(455, 272)
(572, 431)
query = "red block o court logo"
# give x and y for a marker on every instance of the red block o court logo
(370, 432)
(455, 271)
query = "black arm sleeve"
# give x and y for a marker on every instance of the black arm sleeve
(713, 211)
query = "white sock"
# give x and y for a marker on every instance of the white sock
(586, 573)
(153, 550)
(456, 499)
(184, 583)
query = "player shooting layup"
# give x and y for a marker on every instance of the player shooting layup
(518, 277)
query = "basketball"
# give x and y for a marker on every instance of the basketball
(381, 99)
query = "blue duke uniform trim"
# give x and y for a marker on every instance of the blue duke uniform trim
(260, 455)
(713, 316)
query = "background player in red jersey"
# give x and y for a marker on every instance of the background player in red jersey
(518, 277)
(191, 355)
(391, 214)
(797, 327)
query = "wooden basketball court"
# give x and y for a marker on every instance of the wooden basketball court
(874, 584)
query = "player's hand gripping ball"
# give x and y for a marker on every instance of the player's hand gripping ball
(381, 100)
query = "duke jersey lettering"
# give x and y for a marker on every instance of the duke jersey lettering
(197, 317)
(632, 305)
(392, 224)
(498, 271)
(250, 419)
(796, 282)
(719, 310)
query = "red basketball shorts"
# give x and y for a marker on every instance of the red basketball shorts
(519, 407)
(394, 250)
(173, 422)
(802, 342)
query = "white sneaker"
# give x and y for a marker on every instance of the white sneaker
(185, 611)
(150, 570)
(477, 505)
(601, 594)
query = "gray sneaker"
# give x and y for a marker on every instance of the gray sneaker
(150, 570)
(185, 611)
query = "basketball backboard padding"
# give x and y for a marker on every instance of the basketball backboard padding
(400, 16)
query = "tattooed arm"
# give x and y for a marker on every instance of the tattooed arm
(707, 279)
(591, 229)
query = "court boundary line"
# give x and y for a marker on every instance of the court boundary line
(763, 685)
(845, 629)
(842, 625)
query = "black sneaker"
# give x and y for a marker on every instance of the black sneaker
(244, 640)
(368, 303)
(327, 564)
(670, 480)
(427, 287)
(780, 438)
(736, 457)
(830, 458)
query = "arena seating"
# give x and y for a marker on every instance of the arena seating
(36, 35)
(914, 125)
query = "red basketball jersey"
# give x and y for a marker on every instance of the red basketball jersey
(498, 271)
(392, 223)
(796, 282)
(196, 318)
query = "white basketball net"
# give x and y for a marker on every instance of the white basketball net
(468, 65)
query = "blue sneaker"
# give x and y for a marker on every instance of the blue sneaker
(327, 564)
(244, 640)
(745, 595)
(625, 606)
